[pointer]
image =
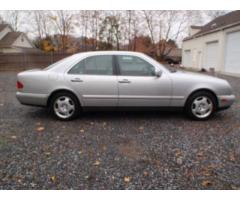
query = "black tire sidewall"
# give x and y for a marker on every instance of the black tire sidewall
(73, 98)
(188, 107)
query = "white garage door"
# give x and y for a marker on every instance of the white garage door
(232, 55)
(211, 55)
(187, 58)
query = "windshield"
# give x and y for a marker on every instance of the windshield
(170, 68)
(165, 66)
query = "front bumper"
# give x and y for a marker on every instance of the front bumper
(225, 101)
(32, 99)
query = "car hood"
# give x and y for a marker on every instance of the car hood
(199, 77)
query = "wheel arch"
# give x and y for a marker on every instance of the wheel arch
(62, 90)
(202, 90)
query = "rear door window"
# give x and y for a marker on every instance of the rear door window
(94, 65)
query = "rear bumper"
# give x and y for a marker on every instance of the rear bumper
(225, 101)
(32, 99)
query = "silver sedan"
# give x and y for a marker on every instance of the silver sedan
(120, 79)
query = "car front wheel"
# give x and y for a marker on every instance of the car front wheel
(201, 105)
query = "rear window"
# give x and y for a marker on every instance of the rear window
(61, 62)
(94, 65)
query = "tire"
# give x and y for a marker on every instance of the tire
(64, 106)
(201, 105)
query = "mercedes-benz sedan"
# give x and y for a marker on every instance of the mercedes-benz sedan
(120, 79)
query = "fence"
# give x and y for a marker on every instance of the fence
(23, 61)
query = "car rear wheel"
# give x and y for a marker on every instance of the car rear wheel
(65, 106)
(201, 105)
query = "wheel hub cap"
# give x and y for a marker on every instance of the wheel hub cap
(202, 107)
(64, 107)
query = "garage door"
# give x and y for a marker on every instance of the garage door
(211, 55)
(187, 58)
(232, 55)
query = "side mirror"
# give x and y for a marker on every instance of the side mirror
(158, 73)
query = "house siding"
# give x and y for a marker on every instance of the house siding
(4, 32)
(10, 50)
(22, 42)
(198, 46)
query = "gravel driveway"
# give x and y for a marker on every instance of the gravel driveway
(141, 150)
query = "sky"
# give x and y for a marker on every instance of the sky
(26, 25)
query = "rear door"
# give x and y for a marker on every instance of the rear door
(94, 79)
(139, 86)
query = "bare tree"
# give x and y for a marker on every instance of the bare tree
(170, 28)
(41, 23)
(95, 20)
(130, 22)
(13, 18)
(165, 28)
(150, 22)
(212, 14)
(1, 20)
(63, 22)
(162, 29)
(110, 30)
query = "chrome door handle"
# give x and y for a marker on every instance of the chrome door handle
(124, 81)
(77, 80)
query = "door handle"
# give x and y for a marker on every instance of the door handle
(124, 81)
(77, 80)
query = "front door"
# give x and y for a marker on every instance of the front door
(138, 84)
(95, 81)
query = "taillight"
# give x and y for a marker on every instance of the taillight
(19, 85)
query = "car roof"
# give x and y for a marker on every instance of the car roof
(109, 53)
(76, 57)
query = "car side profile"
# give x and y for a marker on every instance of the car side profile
(120, 79)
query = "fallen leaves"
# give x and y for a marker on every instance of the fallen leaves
(127, 179)
(14, 137)
(232, 157)
(179, 161)
(206, 183)
(179, 158)
(40, 129)
(53, 179)
(19, 181)
(104, 148)
(145, 173)
(33, 184)
(208, 170)
(47, 153)
(97, 163)
(178, 153)
(199, 155)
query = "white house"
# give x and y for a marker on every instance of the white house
(214, 45)
(14, 42)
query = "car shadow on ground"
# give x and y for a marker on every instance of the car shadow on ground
(43, 113)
